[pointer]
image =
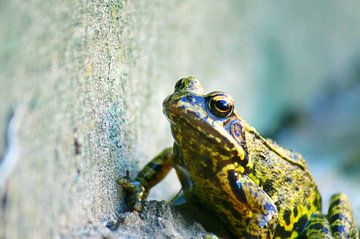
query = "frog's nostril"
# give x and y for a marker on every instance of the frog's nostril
(190, 98)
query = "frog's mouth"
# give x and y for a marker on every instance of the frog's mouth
(204, 128)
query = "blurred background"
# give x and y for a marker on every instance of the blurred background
(82, 85)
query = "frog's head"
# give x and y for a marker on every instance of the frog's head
(204, 125)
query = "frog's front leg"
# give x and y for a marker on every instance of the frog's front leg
(339, 222)
(264, 212)
(138, 189)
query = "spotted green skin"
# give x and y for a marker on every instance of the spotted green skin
(259, 189)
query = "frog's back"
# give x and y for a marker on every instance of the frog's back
(285, 177)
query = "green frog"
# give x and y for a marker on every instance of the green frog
(258, 188)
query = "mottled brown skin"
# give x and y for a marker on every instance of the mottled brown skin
(258, 188)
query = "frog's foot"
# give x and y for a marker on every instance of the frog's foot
(135, 193)
(263, 226)
(339, 223)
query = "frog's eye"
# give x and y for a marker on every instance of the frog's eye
(221, 105)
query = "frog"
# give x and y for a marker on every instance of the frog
(255, 186)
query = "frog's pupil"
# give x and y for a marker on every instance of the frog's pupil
(222, 105)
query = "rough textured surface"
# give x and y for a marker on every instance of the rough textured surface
(81, 85)
(76, 75)
(83, 82)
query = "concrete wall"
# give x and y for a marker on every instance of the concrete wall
(81, 91)
(80, 79)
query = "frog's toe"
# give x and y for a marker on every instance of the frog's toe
(125, 184)
(134, 193)
(137, 206)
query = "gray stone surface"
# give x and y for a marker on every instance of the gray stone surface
(78, 76)
(81, 86)
(81, 91)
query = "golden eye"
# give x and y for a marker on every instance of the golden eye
(220, 105)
